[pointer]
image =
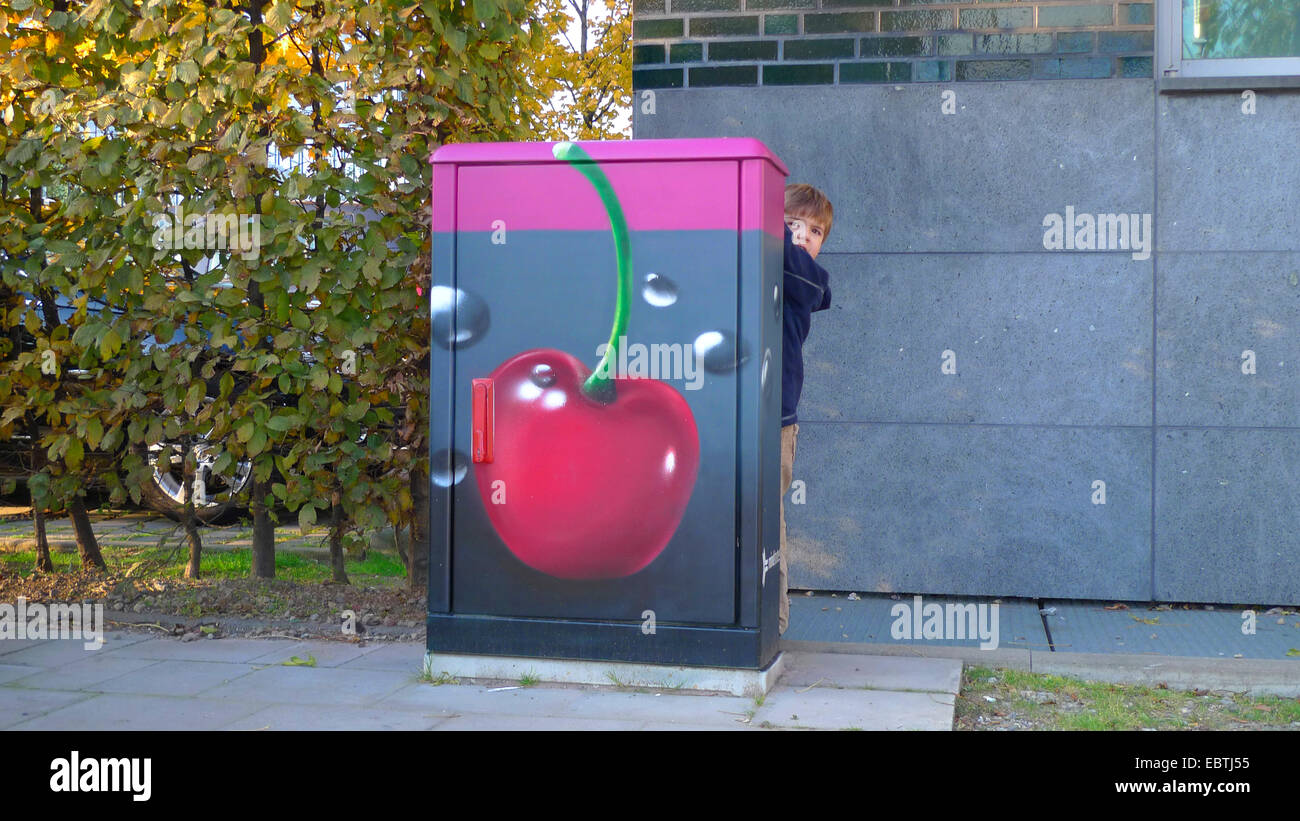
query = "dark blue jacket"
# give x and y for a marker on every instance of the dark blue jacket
(807, 289)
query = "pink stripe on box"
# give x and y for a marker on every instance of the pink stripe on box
(722, 148)
(655, 196)
(662, 185)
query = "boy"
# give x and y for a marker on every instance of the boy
(808, 217)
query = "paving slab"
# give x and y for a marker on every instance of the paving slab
(1088, 627)
(326, 653)
(10, 672)
(117, 639)
(312, 685)
(459, 699)
(113, 639)
(1014, 659)
(542, 723)
(739, 725)
(81, 675)
(8, 646)
(54, 653)
(320, 717)
(868, 619)
(113, 711)
(175, 677)
(666, 708)
(872, 672)
(18, 705)
(408, 657)
(825, 709)
(230, 650)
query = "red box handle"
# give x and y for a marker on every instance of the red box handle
(483, 421)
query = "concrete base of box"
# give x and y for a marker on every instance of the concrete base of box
(739, 682)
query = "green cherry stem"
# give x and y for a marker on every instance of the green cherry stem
(600, 385)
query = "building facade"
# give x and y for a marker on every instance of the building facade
(1063, 353)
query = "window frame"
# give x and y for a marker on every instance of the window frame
(1170, 62)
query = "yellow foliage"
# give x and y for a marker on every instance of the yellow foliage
(584, 83)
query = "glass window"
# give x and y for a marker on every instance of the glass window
(1217, 29)
(1228, 38)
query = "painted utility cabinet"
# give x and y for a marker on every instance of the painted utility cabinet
(606, 401)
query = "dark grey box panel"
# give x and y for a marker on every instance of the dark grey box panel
(972, 510)
(1212, 308)
(904, 176)
(516, 280)
(1228, 180)
(1048, 338)
(1227, 522)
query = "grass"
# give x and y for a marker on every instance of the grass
(529, 679)
(614, 679)
(169, 562)
(1021, 700)
(753, 711)
(429, 677)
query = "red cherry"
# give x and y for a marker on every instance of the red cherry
(591, 490)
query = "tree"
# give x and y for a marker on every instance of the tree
(306, 353)
(54, 384)
(584, 70)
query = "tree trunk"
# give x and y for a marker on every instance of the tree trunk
(417, 565)
(191, 529)
(263, 533)
(336, 541)
(44, 562)
(263, 528)
(397, 543)
(87, 546)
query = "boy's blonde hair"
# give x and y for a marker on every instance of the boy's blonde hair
(805, 202)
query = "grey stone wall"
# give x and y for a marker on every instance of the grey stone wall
(702, 43)
(1072, 367)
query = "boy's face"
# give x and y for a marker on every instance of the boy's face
(808, 234)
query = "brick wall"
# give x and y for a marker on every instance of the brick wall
(698, 43)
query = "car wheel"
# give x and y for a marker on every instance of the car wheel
(216, 495)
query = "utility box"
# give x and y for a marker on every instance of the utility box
(605, 404)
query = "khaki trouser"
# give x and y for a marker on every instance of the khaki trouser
(788, 435)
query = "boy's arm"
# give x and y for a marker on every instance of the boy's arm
(806, 282)
(826, 303)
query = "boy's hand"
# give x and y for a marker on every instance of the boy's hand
(808, 235)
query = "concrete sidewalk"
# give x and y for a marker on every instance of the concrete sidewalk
(137, 682)
(844, 668)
